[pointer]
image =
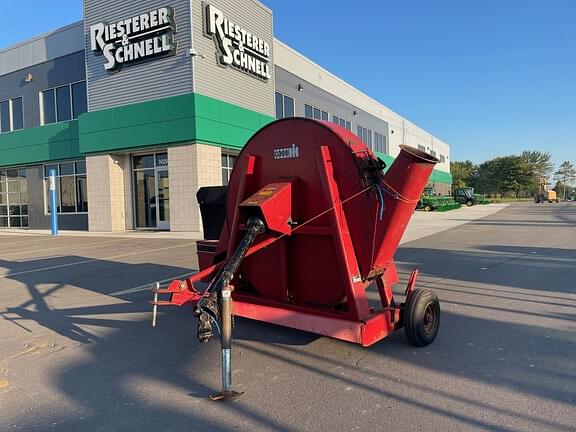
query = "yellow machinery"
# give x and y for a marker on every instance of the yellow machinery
(544, 193)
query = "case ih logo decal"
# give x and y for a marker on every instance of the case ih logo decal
(287, 152)
(135, 39)
(237, 46)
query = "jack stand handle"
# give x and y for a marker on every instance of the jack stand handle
(155, 305)
(226, 346)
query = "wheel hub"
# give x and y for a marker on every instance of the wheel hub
(429, 318)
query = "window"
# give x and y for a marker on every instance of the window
(380, 143)
(315, 113)
(432, 153)
(284, 106)
(71, 191)
(79, 99)
(342, 122)
(63, 103)
(47, 107)
(442, 158)
(17, 114)
(5, 116)
(365, 135)
(421, 148)
(11, 115)
(228, 161)
(13, 198)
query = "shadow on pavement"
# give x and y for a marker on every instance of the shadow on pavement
(46, 277)
(138, 378)
(544, 269)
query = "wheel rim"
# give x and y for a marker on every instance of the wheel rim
(429, 318)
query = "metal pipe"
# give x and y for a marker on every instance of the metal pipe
(226, 338)
(53, 206)
(255, 226)
(155, 305)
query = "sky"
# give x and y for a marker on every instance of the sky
(489, 77)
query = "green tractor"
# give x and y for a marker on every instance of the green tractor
(465, 196)
(430, 201)
(468, 197)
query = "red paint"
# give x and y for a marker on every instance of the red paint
(314, 184)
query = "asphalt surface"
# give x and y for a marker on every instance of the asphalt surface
(74, 357)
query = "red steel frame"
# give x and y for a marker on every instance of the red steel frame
(360, 324)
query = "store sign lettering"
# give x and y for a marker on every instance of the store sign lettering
(135, 39)
(238, 48)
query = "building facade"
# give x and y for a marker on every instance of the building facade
(145, 101)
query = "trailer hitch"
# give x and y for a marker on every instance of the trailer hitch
(208, 315)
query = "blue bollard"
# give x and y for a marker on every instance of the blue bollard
(53, 205)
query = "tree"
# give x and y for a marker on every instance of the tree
(559, 188)
(462, 173)
(566, 173)
(539, 162)
(517, 175)
(537, 165)
(505, 175)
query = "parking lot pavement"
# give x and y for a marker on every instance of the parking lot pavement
(424, 224)
(74, 357)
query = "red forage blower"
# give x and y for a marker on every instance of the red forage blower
(310, 222)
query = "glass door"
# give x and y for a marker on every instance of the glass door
(145, 198)
(163, 194)
(151, 191)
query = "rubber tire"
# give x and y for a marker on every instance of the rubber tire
(469, 203)
(414, 317)
(427, 208)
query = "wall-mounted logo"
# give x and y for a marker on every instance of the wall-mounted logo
(292, 152)
(238, 48)
(135, 39)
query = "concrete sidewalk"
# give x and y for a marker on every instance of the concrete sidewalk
(421, 225)
(424, 224)
(135, 234)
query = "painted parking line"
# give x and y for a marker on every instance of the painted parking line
(150, 285)
(111, 257)
(68, 247)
